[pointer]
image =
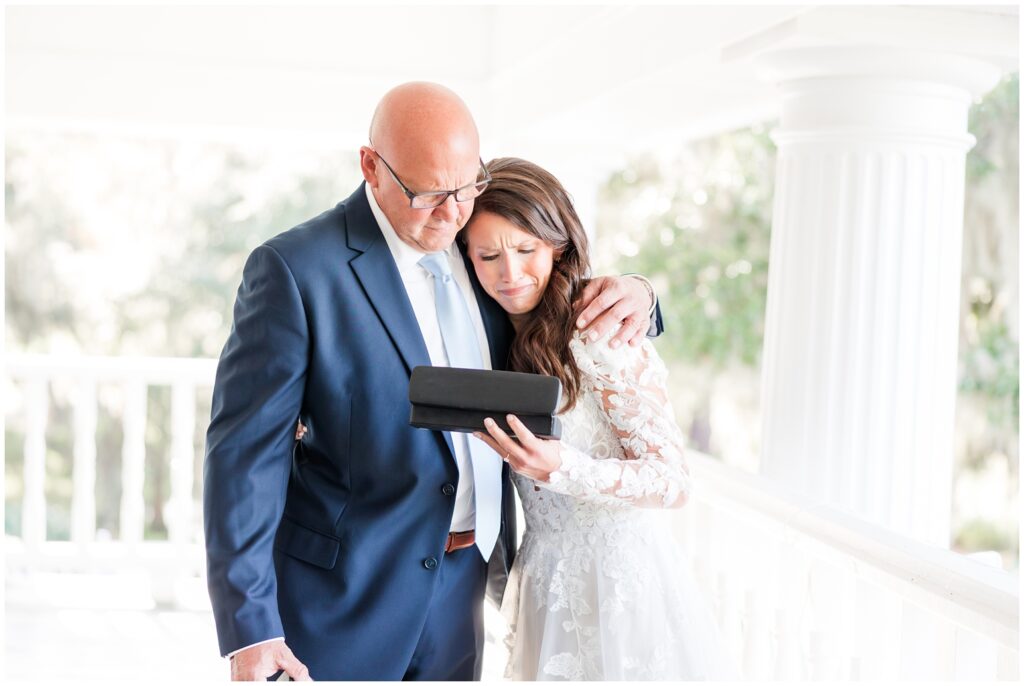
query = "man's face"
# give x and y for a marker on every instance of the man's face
(427, 230)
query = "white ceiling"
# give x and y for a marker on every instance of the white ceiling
(574, 77)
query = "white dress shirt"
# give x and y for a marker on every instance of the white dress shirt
(419, 286)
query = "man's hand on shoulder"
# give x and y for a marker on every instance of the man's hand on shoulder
(258, 662)
(609, 300)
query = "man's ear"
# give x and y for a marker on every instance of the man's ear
(368, 165)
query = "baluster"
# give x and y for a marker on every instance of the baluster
(729, 615)
(848, 620)
(926, 648)
(756, 654)
(702, 576)
(892, 632)
(1007, 664)
(688, 530)
(853, 668)
(787, 646)
(817, 666)
(83, 499)
(699, 553)
(133, 458)
(970, 656)
(33, 505)
(183, 426)
(703, 536)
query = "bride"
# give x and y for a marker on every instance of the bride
(598, 589)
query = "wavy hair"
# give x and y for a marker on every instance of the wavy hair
(532, 199)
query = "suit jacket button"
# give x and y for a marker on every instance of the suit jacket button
(448, 489)
(430, 563)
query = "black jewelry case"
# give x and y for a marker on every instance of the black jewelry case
(454, 399)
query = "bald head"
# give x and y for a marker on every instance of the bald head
(420, 119)
(427, 136)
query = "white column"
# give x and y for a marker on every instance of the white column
(860, 356)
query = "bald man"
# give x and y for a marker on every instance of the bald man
(360, 550)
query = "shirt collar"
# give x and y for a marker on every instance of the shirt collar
(406, 256)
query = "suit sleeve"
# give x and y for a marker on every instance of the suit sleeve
(257, 396)
(657, 327)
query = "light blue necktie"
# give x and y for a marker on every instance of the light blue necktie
(463, 348)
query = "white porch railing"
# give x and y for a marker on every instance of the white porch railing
(805, 591)
(802, 591)
(166, 563)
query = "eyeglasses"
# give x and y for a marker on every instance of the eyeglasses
(432, 199)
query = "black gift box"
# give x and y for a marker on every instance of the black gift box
(453, 399)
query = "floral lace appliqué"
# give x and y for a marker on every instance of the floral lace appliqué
(581, 567)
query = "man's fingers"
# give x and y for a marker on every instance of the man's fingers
(599, 306)
(584, 299)
(258, 662)
(608, 321)
(297, 671)
(290, 664)
(598, 296)
(630, 330)
(641, 334)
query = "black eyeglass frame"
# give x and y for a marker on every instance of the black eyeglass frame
(443, 195)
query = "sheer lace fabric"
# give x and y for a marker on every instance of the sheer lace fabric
(599, 589)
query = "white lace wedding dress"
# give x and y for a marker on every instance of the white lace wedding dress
(599, 589)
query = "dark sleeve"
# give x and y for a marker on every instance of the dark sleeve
(257, 396)
(657, 327)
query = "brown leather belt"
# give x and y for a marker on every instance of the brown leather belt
(459, 540)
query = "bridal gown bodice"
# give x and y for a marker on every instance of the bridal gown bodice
(599, 589)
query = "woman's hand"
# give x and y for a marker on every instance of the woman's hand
(531, 456)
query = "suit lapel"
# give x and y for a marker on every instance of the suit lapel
(377, 273)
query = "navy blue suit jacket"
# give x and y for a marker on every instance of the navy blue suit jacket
(327, 541)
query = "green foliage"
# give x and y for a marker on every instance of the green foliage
(707, 251)
(981, 534)
(193, 214)
(14, 484)
(991, 368)
(989, 351)
(989, 121)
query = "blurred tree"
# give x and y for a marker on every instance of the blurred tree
(702, 233)
(989, 330)
(136, 247)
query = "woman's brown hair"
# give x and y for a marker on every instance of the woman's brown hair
(534, 200)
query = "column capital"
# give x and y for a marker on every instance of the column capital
(867, 94)
(936, 71)
(931, 38)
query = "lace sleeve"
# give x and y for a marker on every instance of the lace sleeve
(630, 385)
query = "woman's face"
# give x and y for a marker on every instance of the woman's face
(512, 266)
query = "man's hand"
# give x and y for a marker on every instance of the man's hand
(260, 661)
(609, 300)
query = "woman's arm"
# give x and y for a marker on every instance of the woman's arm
(630, 386)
